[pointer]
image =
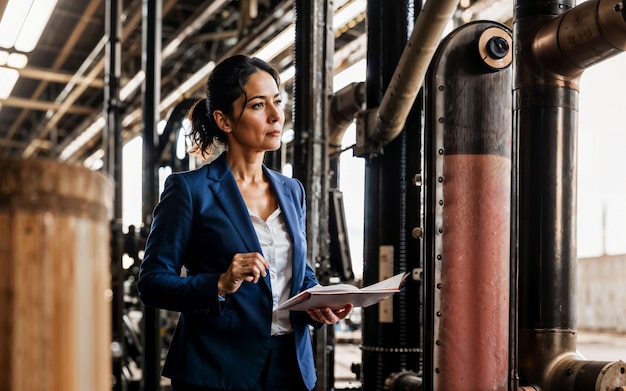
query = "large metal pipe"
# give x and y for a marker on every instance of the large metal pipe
(555, 42)
(468, 196)
(580, 38)
(344, 105)
(409, 74)
(391, 330)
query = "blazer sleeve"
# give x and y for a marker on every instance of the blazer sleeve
(160, 283)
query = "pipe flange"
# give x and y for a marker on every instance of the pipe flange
(495, 48)
(613, 377)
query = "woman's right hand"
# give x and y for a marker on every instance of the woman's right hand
(244, 267)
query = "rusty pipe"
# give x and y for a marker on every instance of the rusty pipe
(555, 43)
(587, 34)
(582, 37)
(468, 190)
(409, 74)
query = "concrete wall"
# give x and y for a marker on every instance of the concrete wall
(601, 293)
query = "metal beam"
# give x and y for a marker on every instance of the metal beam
(40, 105)
(52, 76)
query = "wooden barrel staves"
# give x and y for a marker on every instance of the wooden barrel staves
(55, 297)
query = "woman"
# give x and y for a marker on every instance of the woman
(237, 229)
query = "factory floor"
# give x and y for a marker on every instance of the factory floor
(592, 345)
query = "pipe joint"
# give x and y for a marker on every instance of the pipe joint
(403, 381)
(580, 375)
(581, 37)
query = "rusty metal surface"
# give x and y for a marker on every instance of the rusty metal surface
(468, 166)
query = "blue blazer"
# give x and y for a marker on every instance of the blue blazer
(200, 222)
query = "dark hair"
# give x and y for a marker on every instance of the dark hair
(224, 85)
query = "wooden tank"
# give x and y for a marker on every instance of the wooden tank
(55, 297)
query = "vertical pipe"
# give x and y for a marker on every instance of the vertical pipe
(391, 330)
(151, 91)
(555, 42)
(545, 124)
(112, 139)
(468, 176)
(314, 50)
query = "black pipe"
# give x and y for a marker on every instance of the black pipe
(547, 119)
(545, 126)
(314, 48)
(151, 91)
(112, 144)
(555, 43)
(392, 205)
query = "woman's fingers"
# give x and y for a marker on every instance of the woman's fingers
(251, 266)
(329, 316)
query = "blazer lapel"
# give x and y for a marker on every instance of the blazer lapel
(227, 193)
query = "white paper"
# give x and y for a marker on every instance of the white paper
(337, 296)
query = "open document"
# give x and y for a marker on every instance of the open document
(336, 296)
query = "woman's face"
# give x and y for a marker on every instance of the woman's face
(259, 127)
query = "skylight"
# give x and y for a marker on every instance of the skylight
(21, 27)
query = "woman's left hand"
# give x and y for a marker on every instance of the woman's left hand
(328, 315)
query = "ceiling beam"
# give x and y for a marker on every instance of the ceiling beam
(58, 77)
(67, 49)
(31, 104)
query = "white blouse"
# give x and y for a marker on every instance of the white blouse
(276, 245)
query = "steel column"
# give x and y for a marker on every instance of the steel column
(314, 51)
(151, 91)
(391, 330)
(112, 145)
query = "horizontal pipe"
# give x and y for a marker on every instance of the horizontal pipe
(582, 37)
(403, 381)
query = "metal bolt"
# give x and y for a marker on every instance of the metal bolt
(417, 232)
